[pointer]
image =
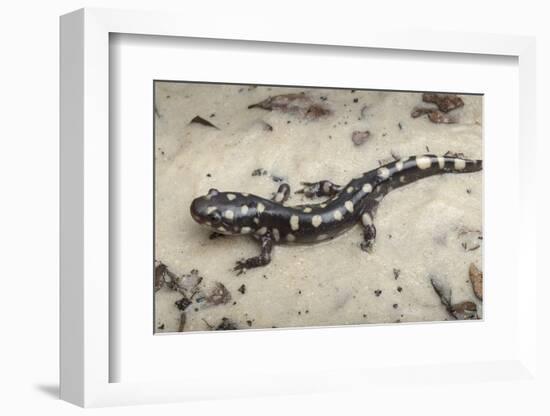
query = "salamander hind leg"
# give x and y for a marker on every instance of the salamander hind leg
(318, 189)
(369, 229)
(258, 261)
(282, 194)
(369, 233)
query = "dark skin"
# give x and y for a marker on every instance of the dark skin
(273, 222)
(322, 188)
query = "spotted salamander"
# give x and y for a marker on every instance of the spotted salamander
(271, 222)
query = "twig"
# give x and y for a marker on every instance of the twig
(183, 320)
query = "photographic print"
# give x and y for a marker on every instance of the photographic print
(281, 207)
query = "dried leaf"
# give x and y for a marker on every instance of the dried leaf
(301, 105)
(459, 311)
(316, 111)
(476, 277)
(464, 310)
(160, 271)
(438, 117)
(435, 116)
(445, 102)
(200, 120)
(417, 112)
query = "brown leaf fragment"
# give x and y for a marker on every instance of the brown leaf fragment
(459, 311)
(444, 102)
(438, 117)
(301, 105)
(160, 271)
(360, 137)
(435, 116)
(316, 111)
(464, 310)
(284, 102)
(476, 277)
(419, 111)
(200, 120)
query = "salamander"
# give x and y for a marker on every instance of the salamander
(271, 222)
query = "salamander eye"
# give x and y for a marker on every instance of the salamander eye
(215, 218)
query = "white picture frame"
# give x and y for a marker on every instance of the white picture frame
(86, 305)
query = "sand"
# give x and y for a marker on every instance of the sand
(423, 228)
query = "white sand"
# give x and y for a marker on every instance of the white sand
(336, 279)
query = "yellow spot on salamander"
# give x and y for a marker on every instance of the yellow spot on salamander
(316, 220)
(295, 222)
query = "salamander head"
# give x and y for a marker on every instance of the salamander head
(223, 212)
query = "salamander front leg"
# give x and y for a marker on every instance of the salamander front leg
(282, 194)
(262, 260)
(321, 188)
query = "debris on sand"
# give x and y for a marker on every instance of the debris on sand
(259, 172)
(360, 137)
(183, 320)
(450, 153)
(266, 126)
(476, 277)
(226, 325)
(183, 303)
(444, 102)
(215, 235)
(460, 311)
(160, 271)
(464, 310)
(435, 116)
(200, 120)
(300, 105)
(470, 240)
(263, 172)
(218, 296)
